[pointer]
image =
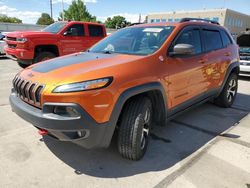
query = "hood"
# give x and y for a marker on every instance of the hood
(243, 40)
(28, 34)
(81, 66)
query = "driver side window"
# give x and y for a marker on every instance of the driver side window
(191, 37)
(76, 30)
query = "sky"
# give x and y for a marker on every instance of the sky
(30, 10)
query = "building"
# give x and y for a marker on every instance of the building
(236, 22)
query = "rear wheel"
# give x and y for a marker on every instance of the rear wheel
(43, 56)
(228, 94)
(133, 134)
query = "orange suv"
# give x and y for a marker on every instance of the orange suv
(139, 76)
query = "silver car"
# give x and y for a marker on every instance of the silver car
(2, 44)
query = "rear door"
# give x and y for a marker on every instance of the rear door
(186, 79)
(216, 57)
(73, 39)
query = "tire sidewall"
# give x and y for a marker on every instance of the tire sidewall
(231, 77)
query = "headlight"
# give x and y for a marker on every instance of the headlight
(83, 86)
(21, 39)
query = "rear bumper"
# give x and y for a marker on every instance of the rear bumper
(64, 128)
(19, 54)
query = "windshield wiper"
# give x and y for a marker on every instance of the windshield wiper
(107, 52)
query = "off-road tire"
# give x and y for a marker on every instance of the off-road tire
(22, 65)
(42, 56)
(134, 128)
(229, 92)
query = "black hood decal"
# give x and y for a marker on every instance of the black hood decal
(54, 64)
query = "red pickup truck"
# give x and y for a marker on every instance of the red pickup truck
(60, 38)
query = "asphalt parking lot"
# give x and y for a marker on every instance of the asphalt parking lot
(206, 147)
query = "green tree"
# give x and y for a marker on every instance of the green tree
(116, 22)
(77, 11)
(45, 19)
(4, 18)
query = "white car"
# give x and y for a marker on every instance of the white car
(245, 61)
(2, 44)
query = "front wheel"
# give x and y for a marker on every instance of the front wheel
(228, 94)
(23, 65)
(43, 56)
(135, 122)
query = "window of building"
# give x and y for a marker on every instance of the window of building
(212, 40)
(158, 20)
(164, 20)
(177, 19)
(95, 31)
(152, 20)
(170, 20)
(191, 37)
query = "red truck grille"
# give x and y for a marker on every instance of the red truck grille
(12, 46)
(28, 91)
(11, 38)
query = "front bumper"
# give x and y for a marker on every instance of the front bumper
(245, 67)
(65, 128)
(19, 54)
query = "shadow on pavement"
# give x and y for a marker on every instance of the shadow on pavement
(168, 145)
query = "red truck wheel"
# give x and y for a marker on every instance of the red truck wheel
(43, 56)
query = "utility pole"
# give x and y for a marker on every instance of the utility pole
(51, 10)
(62, 10)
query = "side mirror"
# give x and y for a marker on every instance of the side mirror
(182, 50)
(66, 33)
(71, 32)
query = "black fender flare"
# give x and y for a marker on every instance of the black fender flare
(231, 67)
(126, 95)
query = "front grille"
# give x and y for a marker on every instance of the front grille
(245, 63)
(12, 46)
(28, 91)
(11, 38)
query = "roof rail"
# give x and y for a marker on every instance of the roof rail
(198, 19)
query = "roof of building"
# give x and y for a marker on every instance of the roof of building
(199, 11)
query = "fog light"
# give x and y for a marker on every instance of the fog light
(81, 133)
(66, 111)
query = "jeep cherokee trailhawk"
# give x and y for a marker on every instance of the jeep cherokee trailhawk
(136, 77)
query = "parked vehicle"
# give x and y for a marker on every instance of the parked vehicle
(60, 38)
(243, 41)
(139, 75)
(2, 44)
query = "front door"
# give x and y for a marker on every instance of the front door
(73, 39)
(186, 79)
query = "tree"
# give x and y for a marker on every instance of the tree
(77, 11)
(116, 22)
(45, 19)
(5, 18)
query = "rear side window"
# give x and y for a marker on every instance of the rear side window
(95, 31)
(191, 37)
(226, 39)
(212, 40)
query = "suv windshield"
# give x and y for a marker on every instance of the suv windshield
(134, 40)
(245, 50)
(55, 27)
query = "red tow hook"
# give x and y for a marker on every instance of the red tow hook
(43, 132)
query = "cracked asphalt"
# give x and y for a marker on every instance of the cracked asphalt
(205, 147)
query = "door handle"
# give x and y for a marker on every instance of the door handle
(227, 54)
